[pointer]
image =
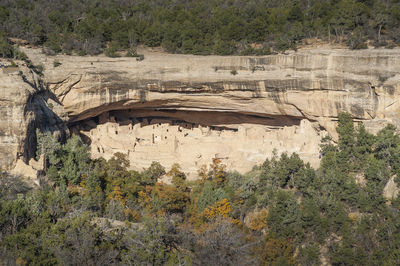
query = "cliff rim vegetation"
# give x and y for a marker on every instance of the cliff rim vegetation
(222, 27)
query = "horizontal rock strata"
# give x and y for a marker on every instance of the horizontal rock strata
(276, 96)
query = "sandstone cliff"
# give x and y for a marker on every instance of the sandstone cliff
(23, 108)
(188, 109)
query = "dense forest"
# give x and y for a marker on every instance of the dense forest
(283, 212)
(202, 27)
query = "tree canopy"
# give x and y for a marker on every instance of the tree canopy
(283, 212)
(221, 27)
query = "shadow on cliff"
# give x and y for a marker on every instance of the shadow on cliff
(40, 116)
(186, 119)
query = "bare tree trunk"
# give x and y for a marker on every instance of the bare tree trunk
(379, 33)
(337, 34)
(329, 33)
(14, 224)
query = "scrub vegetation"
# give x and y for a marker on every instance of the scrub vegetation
(283, 212)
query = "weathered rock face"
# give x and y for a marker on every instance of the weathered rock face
(390, 191)
(288, 101)
(23, 108)
(315, 85)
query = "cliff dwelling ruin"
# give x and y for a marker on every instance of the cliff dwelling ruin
(193, 138)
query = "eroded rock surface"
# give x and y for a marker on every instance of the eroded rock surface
(287, 100)
(23, 108)
(391, 190)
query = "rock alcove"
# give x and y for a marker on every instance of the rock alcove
(194, 138)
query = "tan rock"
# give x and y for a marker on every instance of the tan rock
(390, 191)
(23, 108)
(37, 165)
(360, 179)
(26, 171)
(291, 100)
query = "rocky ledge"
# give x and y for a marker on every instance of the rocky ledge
(190, 109)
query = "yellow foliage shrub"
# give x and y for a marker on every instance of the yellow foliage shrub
(277, 251)
(353, 216)
(117, 195)
(20, 261)
(221, 208)
(132, 215)
(144, 198)
(258, 221)
(202, 172)
(75, 190)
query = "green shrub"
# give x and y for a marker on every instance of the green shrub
(38, 69)
(234, 72)
(19, 55)
(357, 40)
(111, 51)
(131, 52)
(254, 51)
(81, 53)
(247, 51)
(56, 63)
(6, 49)
(140, 57)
